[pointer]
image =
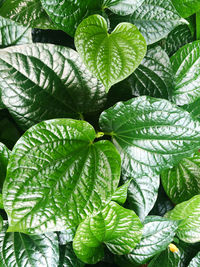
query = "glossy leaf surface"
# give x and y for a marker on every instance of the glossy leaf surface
(154, 75)
(26, 12)
(182, 181)
(151, 134)
(195, 261)
(4, 157)
(185, 64)
(57, 176)
(120, 194)
(154, 19)
(186, 7)
(32, 95)
(17, 249)
(158, 233)
(189, 213)
(118, 228)
(69, 259)
(12, 33)
(110, 57)
(123, 7)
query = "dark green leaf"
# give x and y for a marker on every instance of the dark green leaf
(154, 75)
(57, 176)
(120, 194)
(17, 250)
(151, 134)
(186, 7)
(195, 261)
(122, 7)
(189, 213)
(26, 12)
(154, 19)
(1, 225)
(158, 233)
(110, 57)
(193, 108)
(4, 157)
(120, 229)
(32, 95)
(185, 64)
(69, 259)
(182, 181)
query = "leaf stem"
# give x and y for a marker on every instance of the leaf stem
(198, 25)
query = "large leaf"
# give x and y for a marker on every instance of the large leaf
(195, 261)
(68, 14)
(57, 176)
(186, 7)
(142, 194)
(185, 64)
(12, 33)
(154, 75)
(189, 213)
(182, 181)
(154, 19)
(122, 7)
(4, 157)
(110, 57)
(68, 257)
(158, 233)
(42, 81)
(151, 134)
(120, 194)
(17, 249)
(120, 229)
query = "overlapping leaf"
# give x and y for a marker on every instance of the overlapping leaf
(122, 7)
(186, 7)
(195, 261)
(68, 257)
(120, 229)
(42, 81)
(4, 157)
(57, 176)
(110, 57)
(120, 194)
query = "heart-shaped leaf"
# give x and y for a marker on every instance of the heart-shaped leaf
(154, 19)
(18, 249)
(182, 181)
(122, 7)
(189, 213)
(186, 7)
(32, 95)
(158, 233)
(110, 57)
(57, 176)
(118, 228)
(195, 261)
(4, 157)
(151, 134)
(185, 64)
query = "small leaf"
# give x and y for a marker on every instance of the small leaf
(68, 257)
(4, 157)
(182, 181)
(57, 176)
(189, 213)
(12, 33)
(151, 134)
(120, 229)
(28, 13)
(186, 8)
(155, 19)
(120, 194)
(110, 57)
(195, 261)
(51, 93)
(158, 233)
(185, 64)
(122, 7)
(18, 249)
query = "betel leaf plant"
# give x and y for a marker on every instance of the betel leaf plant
(99, 133)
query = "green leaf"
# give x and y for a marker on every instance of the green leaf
(154, 19)
(120, 194)
(1, 225)
(186, 7)
(18, 249)
(195, 261)
(123, 7)
(12, 33)
(57, 176)
(154, 75)
(4, 157)
(185, 64)
(1, 202)
(110, 57)
(26, 12)
(158, 233)
(51, 93)
(68, 258)
(166, 259)
(151, 134)
(189, 213)
(68, 14)
(193, 108)
(118, 228)
(142, 194)
(182, 181)
(66, 236)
